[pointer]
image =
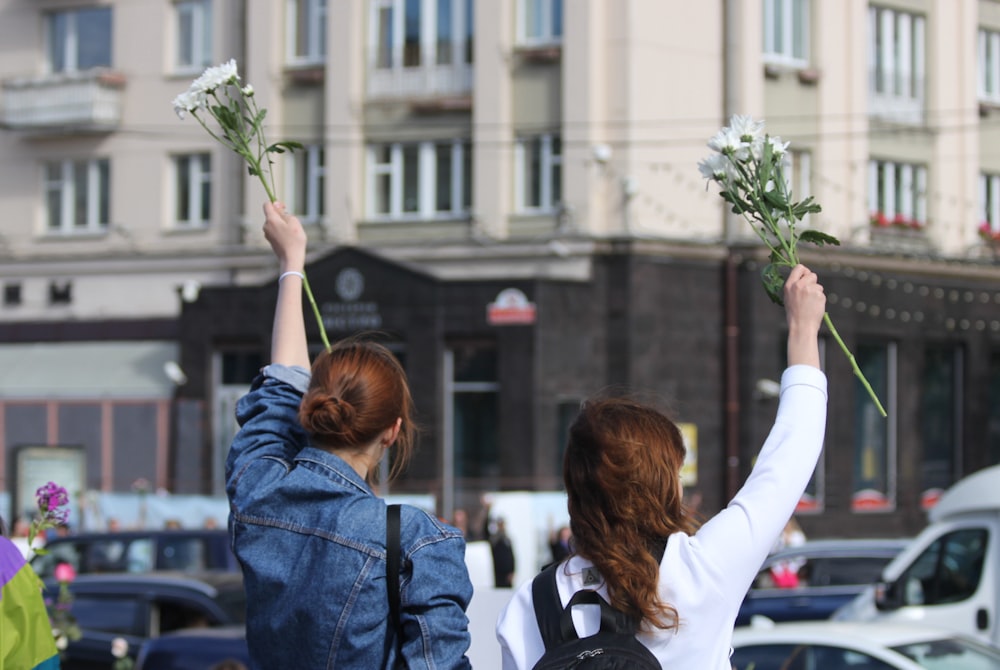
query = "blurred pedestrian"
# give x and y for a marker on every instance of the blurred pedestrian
(635, 542)
(561, 543)
(504, 563)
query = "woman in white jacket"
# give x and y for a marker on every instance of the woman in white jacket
(622, 477)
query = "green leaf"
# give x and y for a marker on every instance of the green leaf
(253, 173)
(766, 163)
(818, 238)
(775, 199)
(773, 283)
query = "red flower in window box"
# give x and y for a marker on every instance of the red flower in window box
(879, 220)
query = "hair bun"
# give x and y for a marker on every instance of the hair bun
(327, 414)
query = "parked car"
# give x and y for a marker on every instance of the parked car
(139, 551)
(137, 607)
(950, 575)
(833, 645)
(193, 648)
(811, 581)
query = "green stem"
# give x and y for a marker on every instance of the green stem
(854, 363)
(315, 308)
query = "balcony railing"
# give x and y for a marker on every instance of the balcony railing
(420, 83)
(68, 102)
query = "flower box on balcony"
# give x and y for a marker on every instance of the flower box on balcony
(898, 234)
(64, 102)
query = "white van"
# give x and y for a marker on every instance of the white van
(947, 576)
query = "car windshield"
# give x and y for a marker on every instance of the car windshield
(951, 654)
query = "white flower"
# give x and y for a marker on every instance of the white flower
(778, 147)
(119, 647)
(714, 166)
(725, 141)
(62, 642)
(189, 101)
(216, 76)
(247, 90)
(746, 128)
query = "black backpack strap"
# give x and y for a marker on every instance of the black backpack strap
(612, 620)
(392, 549)
(548, 607)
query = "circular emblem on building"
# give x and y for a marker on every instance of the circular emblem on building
(350, 284)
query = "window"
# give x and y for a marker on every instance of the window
(786, 31)
(896, 43)
(475, 392)
(874, 437)
(948, 571)
(988, 57)
(939, 419)
(420, 47)
(307, 176)
(425, 180)
(11, 294)
(306, 32)
(193, 186)
(540, 21)
(989, 202)
(77, 196)
(898, 192)
(79, 39)
(194, 34)
(538, 161)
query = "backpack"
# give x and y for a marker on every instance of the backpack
(614, 647)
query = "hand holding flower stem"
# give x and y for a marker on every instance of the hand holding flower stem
(748, 168)
(217, 92)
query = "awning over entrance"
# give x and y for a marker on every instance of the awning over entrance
(86, 370)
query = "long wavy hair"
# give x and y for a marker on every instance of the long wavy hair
(357, 391)
(622, 474)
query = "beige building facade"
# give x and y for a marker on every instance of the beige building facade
(479, 140)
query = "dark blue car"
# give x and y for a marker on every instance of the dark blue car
(811, 581)
(224, 647)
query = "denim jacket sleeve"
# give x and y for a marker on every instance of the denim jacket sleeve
(434, 598)
(268, 419)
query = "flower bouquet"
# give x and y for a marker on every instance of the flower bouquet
(748, 166)
(217, 94)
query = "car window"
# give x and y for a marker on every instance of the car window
(58, 552)
(948, 571)
(169, 615)
(952, 654)
(803, 657)
(182, 553)
(140, 555)
(847, 570)
(110, 614)
(104, 556)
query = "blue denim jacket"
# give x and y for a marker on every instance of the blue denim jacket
(310, 535)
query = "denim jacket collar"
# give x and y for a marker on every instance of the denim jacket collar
(333, 466)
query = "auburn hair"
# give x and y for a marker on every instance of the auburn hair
(622, 474)
(357, 391)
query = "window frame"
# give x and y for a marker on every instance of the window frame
(866, 414)
(551, 22)
(898, 67)
(315, 40)
(306, 175)
(97, 204)
(794, 17)
(201, 40)
(72, 41)
(549, 173)
(989, 200)
(888, 180)
(394, 169)
(197, 179)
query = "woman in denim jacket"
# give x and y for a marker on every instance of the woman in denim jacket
(306, 527)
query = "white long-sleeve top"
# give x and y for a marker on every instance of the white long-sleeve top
(706, 575)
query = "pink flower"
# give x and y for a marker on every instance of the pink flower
(64, 572)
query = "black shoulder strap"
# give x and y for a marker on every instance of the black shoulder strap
(392, 563)
(548, 607)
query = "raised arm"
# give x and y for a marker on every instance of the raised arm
(287, 238)
(805, 304)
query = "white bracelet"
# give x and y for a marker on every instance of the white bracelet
(298, 274)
